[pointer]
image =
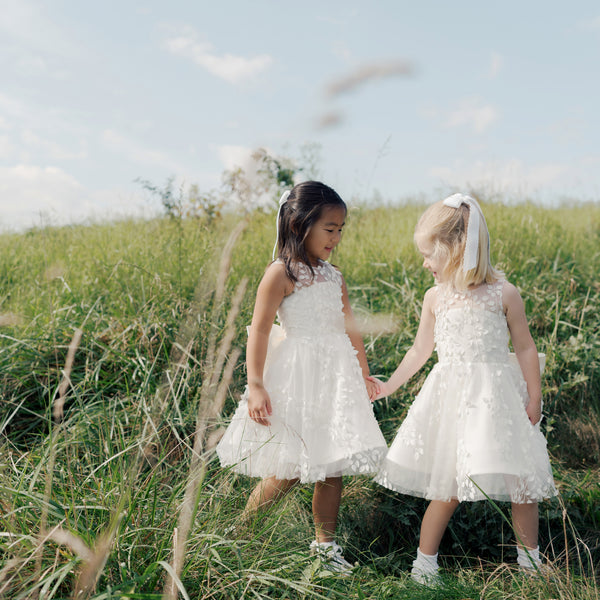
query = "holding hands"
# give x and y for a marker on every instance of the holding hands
(381, 389)
(372, 388)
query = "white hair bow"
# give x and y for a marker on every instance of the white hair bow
(282, 201)
(472, 243)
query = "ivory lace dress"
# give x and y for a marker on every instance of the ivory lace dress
(467, 435)
(322, 423)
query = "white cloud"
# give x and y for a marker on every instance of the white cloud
(30, 194)
(38, 133)
(236, 156)
(496, 64)
(14, 109)
(49, 149)
(473, 113)
(592, 24)
(342, 51)
(231, 68)
(39, 196)
(509, 177)
(137, 152)
(6, 147)
(32, 38)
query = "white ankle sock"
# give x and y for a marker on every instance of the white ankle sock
(529, 558)
(324, 544)
(426, 562)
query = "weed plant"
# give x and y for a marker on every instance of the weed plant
(121, 360)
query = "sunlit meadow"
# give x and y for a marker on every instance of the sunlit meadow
(122, 358)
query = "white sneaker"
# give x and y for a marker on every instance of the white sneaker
(331, 556)
(530, 563)
(427, 578)
(425, 569)
(540, 570)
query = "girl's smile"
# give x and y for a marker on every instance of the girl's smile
(434, 264)
(325, 234)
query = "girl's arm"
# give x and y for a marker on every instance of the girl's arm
(356, 339)
(524, 348)
(419, 352)
(273, 287)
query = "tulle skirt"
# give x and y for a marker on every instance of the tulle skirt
(467, 437)
(322, 424)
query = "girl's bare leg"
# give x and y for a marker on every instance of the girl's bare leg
(433, 526)
(526, 524)
(267, 492)
(326, 505)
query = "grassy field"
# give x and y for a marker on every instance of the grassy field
(121, 359)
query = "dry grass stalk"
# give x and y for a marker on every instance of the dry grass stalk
(188, 332)
(222, 275)
(206, 410)
(57, 412)
(329, 119)
(221, 394)
(376, 325)
(76, 544)
(367, 73)
(10, 320)
(226, 260)
(16, 565)
(58, 408)
(213, 373)
(93, 567)
(11, 565)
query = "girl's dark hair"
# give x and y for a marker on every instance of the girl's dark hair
(298, 214)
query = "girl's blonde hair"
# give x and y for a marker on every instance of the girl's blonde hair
(444, 229)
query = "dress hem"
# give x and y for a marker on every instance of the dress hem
(358, 464)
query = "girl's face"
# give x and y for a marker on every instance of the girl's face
(431, 262)
(325, 234)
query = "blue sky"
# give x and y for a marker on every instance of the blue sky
(402, 99)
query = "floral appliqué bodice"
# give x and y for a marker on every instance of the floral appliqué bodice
(470, 326)
(315, 306)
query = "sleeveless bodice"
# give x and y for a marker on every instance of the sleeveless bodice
(314, 308)
(470, 326)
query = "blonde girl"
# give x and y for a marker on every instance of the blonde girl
(473, 431)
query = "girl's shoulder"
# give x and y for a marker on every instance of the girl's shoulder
(511, 297)
(276, 275)
(431, 293)
(431, 298)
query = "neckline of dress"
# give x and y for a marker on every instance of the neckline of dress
(321, 264)
(451, 290)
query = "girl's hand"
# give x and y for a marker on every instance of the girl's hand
(382, 389)
(259, 405)
(534, 412)
(372, 388)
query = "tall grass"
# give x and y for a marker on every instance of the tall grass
(121, 357)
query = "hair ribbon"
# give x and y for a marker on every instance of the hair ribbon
(471, 254)
(282, 201)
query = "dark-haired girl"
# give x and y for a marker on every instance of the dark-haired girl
(306, 414)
